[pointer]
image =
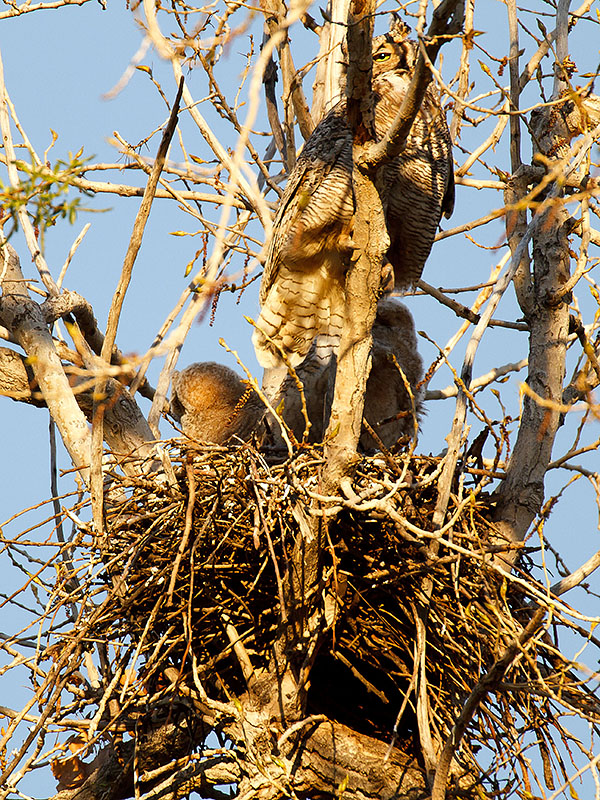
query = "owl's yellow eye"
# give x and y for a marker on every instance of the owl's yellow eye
(381, 56)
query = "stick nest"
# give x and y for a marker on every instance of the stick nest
(189, 564)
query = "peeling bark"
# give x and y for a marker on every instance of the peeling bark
(126, 430)
(69, 302)
(111, 774)
(325, 759)
(545, 306)
(521, 493)
(17, 380)
(363, 281)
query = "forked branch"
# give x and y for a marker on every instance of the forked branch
(24, 318)
(447, 22)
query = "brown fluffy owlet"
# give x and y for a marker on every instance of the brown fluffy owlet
(302, 289)
(213, 404)
(388, 407)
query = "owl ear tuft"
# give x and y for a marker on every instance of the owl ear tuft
(398, 27)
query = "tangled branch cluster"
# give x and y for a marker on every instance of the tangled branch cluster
(183, 585)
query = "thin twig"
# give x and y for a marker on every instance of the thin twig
(463, 311)
(189, 518)
(487, 684)
(138, 230)
(13, 177)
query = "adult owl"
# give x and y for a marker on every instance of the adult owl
(213, 404)
(388, 408)
(302, 289)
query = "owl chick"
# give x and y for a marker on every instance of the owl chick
(302, 288)
(213, 403)
(388, 407)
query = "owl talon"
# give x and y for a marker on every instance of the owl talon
(346, 244)
(387, 278)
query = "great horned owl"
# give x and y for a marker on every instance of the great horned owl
(388, 408)
(302, 289)
(213, 403)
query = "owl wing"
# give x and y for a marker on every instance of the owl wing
(302, 285)
(450, 193)
(320, 179)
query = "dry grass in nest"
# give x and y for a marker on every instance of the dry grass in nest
(180, 578)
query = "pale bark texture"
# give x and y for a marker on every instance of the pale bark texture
(521, 493)
(24, 318)
(544, 294)
(364, 281)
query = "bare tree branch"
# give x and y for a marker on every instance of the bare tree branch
(24, 318)
(364, 276)
(138, 230)
(487, 684)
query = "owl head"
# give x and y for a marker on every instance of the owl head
(212, 403)
(391, 51)
(394, 50)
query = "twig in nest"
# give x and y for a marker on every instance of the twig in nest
(240, 651)
(189, 516)
(489, 681)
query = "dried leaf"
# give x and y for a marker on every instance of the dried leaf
(69, 773)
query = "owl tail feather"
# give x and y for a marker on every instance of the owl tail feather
(293, 314)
